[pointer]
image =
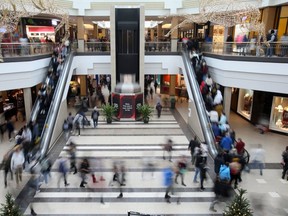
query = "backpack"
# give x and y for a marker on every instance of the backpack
(224, 173)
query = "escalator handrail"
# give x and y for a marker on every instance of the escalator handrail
(36, 106)
(54, 107)
(200, 105)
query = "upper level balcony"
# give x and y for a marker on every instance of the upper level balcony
(243, 65)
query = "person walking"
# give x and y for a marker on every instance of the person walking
(6, 166)
(62, 169)
(258, 158)
(192, 145)
(181, 170)
(223, 192)
(84, 170)
(95, 116)
(10, 128)
(72, 152)
(17, 162)
(285, 162)
(168, 148)
(66, 130)
(159, 109)
(168, 182)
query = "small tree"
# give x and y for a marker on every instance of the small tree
(10, 208)
(240, 206)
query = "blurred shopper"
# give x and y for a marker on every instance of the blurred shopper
(17, 162)
(181, 170)
(285, 163)
(84, 170)
(223, 192)
(72, 153)
(6, 166)
(10, 128)
(62, 169)
(167, 148)
(66, 130)
(95, 116)
(168, 182)
(258, 158)
(46, 168)
(70, 119)
(192, 145)
(159, 109)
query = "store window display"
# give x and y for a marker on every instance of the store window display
(279, 114)
(245, 103)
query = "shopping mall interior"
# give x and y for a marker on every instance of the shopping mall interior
(68, 56)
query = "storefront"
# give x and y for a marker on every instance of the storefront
(245, 103)
(279, 114)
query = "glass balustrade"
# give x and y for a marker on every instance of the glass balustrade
(27, 49)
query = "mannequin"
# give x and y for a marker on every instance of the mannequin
(247, 102)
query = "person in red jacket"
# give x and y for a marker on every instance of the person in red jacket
(240, 145)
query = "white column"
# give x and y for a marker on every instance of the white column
(174, 34)
(142, 47)
(27, 102)
(113, 47)
(80, 34)
(227, 101)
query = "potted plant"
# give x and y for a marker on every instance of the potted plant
(146, 112)
(109, 112)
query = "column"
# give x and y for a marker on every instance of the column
(226, 33)
(113, 47)
(227, 101)
(172, 85)
(83, 85)
(174, 34)
(268, 17)
(27, 102)
(159, 32)
(80, 33)
(142, 47)
(95, 31)
(152, 34)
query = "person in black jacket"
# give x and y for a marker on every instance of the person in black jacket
(192, 145)
(218, 161)
(84, 169)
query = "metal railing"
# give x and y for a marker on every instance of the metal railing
(26, 49)
(97, 46)
(246, 49)
(158, 46)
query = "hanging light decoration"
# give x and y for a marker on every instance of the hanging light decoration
(227, 13)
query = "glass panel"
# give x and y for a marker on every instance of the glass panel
(279, 114)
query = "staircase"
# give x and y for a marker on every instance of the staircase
(131, 144)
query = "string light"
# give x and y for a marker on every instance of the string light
(227, 13)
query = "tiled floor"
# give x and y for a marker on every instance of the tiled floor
(132, 142)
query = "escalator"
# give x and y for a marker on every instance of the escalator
(199, 105)
(46, 117)
(54, 109)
